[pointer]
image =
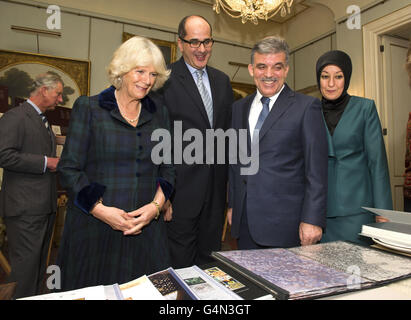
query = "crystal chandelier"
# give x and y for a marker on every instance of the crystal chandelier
(253, 9)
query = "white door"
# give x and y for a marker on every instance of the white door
(397, 106)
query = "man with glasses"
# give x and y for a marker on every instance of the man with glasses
(200, 97)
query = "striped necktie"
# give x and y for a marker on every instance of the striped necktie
(205, 96)
(46, 123)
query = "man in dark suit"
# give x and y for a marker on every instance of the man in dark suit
(284, 203)
(28, 195)
(198, 97)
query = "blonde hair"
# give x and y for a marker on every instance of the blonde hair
(137, 52)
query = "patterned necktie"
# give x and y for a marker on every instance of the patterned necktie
(263, 114)
(208, 104)
(46, 123)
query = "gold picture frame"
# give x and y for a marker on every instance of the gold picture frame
(241, 90)
(168, 48)
(21, 67)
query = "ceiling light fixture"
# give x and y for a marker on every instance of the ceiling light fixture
(252, 10)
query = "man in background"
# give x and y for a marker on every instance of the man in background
(28, 196)
(200, 97)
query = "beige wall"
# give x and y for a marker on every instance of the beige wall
(351, 41)
(92, 30)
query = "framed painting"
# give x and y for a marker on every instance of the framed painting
(17, 73)
(241, 90)
(168, 48)
(18, 70)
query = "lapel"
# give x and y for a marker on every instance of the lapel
(245, 115)
(283, 102)
(187, 82)
(347, 119)
(37, 121)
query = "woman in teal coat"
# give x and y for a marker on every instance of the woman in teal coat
(357, 164)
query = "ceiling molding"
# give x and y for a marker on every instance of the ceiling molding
(298, 7)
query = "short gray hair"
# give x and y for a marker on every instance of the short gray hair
(49, 80)
(272, 44)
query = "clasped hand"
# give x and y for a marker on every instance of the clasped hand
(130, 223)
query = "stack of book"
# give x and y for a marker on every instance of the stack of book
(171, 284)
(307, 272)
(394, 235)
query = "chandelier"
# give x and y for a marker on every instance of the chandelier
(253, 9)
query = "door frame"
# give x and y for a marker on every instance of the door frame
(374, 85)
(372, 32)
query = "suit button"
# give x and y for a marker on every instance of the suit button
(137, 174)
(245, 181)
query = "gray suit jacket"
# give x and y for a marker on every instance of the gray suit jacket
(24, 141)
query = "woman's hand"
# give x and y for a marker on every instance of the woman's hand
(229, 216)
(168, 211)
(114, 217)
(381, 219)
(141, 217)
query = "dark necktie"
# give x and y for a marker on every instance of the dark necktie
(263, 114)
(46, 123)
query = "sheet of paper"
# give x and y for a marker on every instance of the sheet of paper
(140, 289)
(89, 293)
(56, 129)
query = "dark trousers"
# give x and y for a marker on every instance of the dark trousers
(28, 243)
(192, 239)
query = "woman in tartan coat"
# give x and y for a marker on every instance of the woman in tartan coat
(112, 233)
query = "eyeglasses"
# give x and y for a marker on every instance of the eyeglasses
(194, 43)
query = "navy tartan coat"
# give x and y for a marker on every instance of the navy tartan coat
(106, 157)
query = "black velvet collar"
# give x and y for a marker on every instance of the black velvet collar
(107, 100)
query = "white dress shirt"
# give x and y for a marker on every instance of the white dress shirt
(256, 108)
(206, 80)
